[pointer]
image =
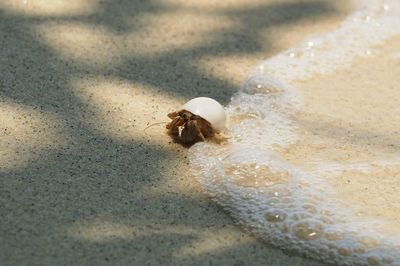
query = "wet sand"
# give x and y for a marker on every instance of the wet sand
(349, 118)
(81, 181)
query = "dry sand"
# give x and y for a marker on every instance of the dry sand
(81, 182)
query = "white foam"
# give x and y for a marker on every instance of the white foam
(373, 22)
(289, 207)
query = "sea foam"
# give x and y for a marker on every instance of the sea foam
(286, 205)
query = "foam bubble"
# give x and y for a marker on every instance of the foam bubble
(374, 21)
(289, 206)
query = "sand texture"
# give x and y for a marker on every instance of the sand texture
(340, 125)
(81, 181)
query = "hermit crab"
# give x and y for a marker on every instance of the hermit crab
(199, 119)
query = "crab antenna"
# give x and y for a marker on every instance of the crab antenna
(154, 124)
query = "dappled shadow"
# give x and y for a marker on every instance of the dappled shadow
(94, 174)
(174, 70)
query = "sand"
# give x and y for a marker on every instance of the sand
(81, 180)
(340, 125)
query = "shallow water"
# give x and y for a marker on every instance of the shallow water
(313, 161)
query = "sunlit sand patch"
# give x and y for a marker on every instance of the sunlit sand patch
(24, 134)
(92, 44)
(102, 230)
(208, 242)
(202, 242)
(95, 45)
(232, 68)
(123, 109)
(202, 5)
(84, 43)
(234, 5)
(50, 7)
(157, 36)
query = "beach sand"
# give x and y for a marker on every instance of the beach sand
(81, 180)
(356, 129)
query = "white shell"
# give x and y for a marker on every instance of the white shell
(209, 109)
